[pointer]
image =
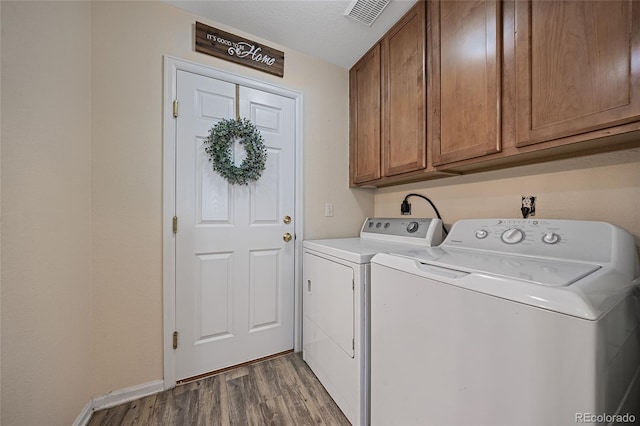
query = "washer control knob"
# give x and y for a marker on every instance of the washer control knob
(481, 233)
(550, 238)
(512, 236)
(412, 227)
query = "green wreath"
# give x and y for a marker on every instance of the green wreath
(220, 142)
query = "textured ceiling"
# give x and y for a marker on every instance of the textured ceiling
(317, 28)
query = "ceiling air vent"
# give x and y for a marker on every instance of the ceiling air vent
(365, 11)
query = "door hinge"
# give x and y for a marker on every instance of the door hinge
(175, 109)
(353, 344)
(175, 340)
(175, 224)
(353, 285)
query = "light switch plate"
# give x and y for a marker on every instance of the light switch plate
(328, 210)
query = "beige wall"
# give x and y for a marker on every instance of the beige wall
(600, 187)
(82, 190)
(0, 216)
(81, 179)
(46, 227)
(129, 39)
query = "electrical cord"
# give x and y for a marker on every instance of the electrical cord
(405, 207)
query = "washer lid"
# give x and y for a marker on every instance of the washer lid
(541, 271)
(578, 268)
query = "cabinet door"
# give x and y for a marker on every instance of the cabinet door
(404, 118)
(466, 60)
(578, 67)
(364, 100)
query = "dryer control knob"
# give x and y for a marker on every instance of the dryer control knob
(512, 236)
(550, 238)
(412, 227)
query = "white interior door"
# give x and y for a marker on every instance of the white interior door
(234, 271)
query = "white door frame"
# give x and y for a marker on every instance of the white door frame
(171, 67)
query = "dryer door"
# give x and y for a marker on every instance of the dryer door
(329, 300)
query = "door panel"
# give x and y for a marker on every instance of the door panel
(264, 289)
(214, 206)
(264, 200)
(214, 289)
(234, 272)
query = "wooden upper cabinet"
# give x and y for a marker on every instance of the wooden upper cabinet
(476, 82)
(404, 96)
(576, 70)
(466, 62)
(364, 100)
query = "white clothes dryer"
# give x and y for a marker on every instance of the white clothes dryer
(336, 309)
(527, 322)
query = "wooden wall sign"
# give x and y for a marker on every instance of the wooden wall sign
(231, 47)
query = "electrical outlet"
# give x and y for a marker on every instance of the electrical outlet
(328, 210)
(528, 206)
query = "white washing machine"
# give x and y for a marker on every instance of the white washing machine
(335, 304)
(508, 322)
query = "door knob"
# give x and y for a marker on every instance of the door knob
(287, 237)
(287, 220)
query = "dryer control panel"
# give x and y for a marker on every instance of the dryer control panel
(424, 231)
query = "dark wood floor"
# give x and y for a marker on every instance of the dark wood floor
(277, 391)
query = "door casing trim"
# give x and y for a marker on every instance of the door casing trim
(171, 66)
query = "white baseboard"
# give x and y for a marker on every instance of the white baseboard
(128, 394)
(85, 415)
(118, 397)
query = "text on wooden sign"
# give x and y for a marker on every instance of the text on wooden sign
(224, 45)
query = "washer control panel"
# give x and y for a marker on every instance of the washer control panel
(571, 239)
(426, 231)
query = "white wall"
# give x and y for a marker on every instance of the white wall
(46, 202)
(602, 187)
